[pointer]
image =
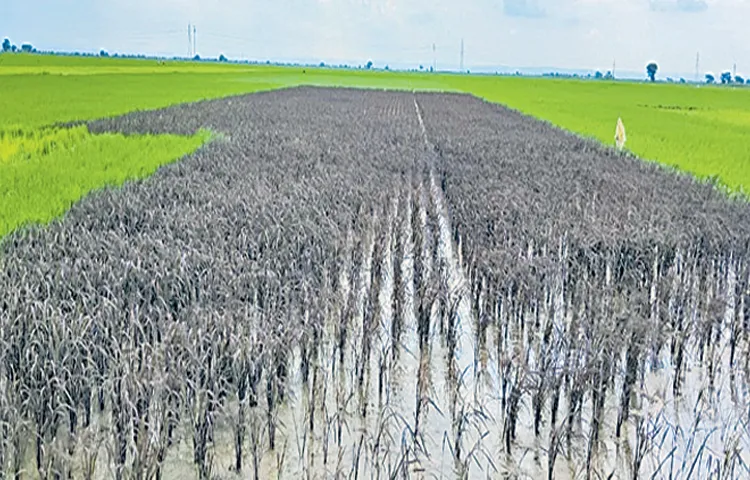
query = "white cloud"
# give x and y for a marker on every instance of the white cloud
(690, 6)
(523, 8)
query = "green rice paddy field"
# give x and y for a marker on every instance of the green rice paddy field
(45, 168)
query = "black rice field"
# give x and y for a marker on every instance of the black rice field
(365, 285)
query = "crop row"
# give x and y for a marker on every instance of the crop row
(616, 293)
(151, 314)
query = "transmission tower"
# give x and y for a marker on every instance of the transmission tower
(190, 42)
(195, 44)
(434, 58)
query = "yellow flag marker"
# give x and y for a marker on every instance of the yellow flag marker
(620, 136)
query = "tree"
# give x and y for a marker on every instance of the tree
(710, 78)
(369, 64)
(6, 45)
(13, 48)
(27, 48)
(651, 70)
(726, 78)
(196, 57)
(222, 58)
(103, 53)
(598, 75)
(739, 79)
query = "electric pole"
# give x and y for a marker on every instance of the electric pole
(434, 58)
(462, 56)
(190, 42)
(697, 66)
(614, 65)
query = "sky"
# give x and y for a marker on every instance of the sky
(574, 34)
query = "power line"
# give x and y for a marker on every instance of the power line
(147, 35)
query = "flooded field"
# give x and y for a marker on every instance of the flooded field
(357, 284)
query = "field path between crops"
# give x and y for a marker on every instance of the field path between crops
(474, 382)
(371, 284)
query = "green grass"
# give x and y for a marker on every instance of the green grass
(37, 100)
(702, 130)
(55, 168)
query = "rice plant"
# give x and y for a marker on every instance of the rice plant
(370, 284)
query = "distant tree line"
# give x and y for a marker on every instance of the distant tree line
(652, 68)
(726, 77)
(9, 47)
